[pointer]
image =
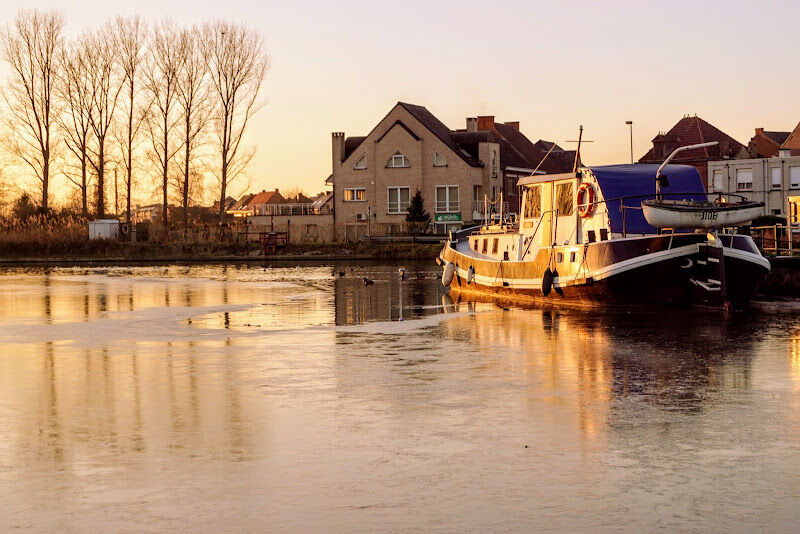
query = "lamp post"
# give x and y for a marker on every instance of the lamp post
(630, 125)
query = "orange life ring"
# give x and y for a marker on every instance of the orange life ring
(585, 209)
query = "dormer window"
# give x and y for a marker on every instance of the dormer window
(397, 161)
(438, 160)
(361, 163)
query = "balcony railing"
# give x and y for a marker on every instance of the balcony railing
(478, 207)
(292, 209)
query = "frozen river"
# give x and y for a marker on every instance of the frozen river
(231, 399)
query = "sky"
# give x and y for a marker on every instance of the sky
(341, 66)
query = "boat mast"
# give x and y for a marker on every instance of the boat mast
(679, 149)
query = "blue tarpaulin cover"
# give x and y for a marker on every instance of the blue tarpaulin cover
(617, 181)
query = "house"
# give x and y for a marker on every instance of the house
(519, 156)
(256, 204)
(766, 144)
(375, 176)
(692, 130)
(768, 180)
(791, 146)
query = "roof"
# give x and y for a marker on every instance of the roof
(266, 197)
(351, 144)
(437, 127)
(691, 130)
(516, 150)
(638, 181)
(792, 142)
(242, 202)
(778, 137)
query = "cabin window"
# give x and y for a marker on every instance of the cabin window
(776, 177)
(564, 200)
(794, 177)
(475, 245)
(572, 256)
(533, 202)
(494, 245)
(485, 246)
(361, 163)
(560, 257)
(603, 234)
(438, 160)
(590, 236)
(505, 256)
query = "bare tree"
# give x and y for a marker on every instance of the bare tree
(193, 99)
(236, 63)
(30, 46)
(130, 39)
(105, 86)
(75, 96)
(161, 79)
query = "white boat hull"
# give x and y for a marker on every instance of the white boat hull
(700, 217)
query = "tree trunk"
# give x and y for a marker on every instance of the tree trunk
(130, 160)
(45, 181)
(222, 191)
(84, 188)
(101, 171)
(186, 179)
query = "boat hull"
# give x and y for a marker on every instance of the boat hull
(649, 271)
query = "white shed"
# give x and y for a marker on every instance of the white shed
(104, 229)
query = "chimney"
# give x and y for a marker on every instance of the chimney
(513, 124)
(485, 123)
(337, 142)
(759, 131)
(472, 124)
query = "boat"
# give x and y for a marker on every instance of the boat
(584, 238)
(668, 213)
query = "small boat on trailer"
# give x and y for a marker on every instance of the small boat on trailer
(583, 238)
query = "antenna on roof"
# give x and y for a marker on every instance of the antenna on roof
(578, 151)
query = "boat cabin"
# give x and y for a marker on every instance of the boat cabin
(591, 205)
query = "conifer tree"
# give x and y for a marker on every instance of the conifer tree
(417, 218)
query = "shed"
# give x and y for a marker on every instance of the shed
(104, 229)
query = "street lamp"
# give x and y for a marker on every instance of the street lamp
(630, 124)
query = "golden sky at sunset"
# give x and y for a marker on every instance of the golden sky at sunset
(340, 66)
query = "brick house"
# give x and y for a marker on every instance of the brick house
(766, 144)
(519, 156)
(374, 176)
(692, 130)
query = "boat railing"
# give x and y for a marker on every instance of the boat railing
(532, 237)
(777, 239)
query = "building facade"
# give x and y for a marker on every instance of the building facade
(767, 180)
(375, 176)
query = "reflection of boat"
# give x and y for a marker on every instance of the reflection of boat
(584, 236)
(666, 213)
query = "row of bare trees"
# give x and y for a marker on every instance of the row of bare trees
(157, 101)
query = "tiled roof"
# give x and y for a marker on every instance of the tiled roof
(429, 121)
(516, 150)
(691, 131)
(469, 141)
(792, 142)
(778, 137)
(266, 197)
(351, 144)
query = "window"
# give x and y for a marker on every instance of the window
(494, 163)
(447, 199)
(361, 163)
(744, 179)
(533, 202)
(794, 177)
(776, 212)
(397, 199)
(776, 177)
(560, 257)
(603, 234)
(485, 245)
(397, 161)
(355, 195)
(438, 160)
(564, 200)
(495, 242)
(475, 245)
(591, 236)
(717, 181)
(573, 256)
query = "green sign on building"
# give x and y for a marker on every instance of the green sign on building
(447, 217)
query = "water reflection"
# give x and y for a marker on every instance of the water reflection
(303, 394)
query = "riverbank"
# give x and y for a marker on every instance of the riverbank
(94, 252)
